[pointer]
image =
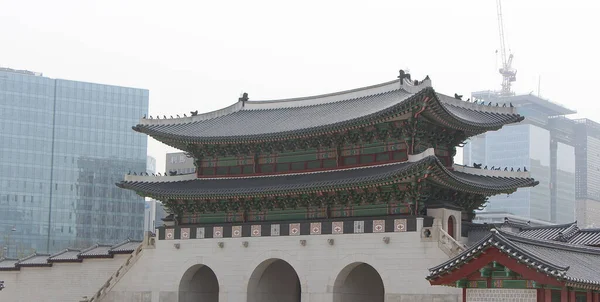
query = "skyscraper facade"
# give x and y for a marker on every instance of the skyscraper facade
(544, 144)
(64, 146)
(588, 172)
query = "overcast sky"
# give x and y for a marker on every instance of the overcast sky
(200, 55)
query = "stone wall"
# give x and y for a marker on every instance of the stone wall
(501, 295)
(61, 282)
(402, 265)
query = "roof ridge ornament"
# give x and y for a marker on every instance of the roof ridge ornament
(243, 99)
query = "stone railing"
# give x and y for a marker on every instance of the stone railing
(448, 244)
(112, 280)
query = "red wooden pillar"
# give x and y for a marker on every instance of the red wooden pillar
(572, 296)
(464, 299)
(596, 297)
(547, 295)
(564, 295)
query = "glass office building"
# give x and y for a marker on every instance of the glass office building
(544, 144)
(64, 145)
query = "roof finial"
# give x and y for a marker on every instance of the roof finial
(403, 75)
(243, 99)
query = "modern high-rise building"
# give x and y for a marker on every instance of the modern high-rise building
(64, 145)
(587, 164)
(544, 144)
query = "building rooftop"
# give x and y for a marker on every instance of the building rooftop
(249, 120)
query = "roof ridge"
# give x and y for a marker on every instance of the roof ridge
(552, 243)
(554, 226)
(318, 96)
(505, 238)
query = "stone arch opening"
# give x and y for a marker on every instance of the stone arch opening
(274, 280)
(358, 282)
(451, 223)
(199, 284)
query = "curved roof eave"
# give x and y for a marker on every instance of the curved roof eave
(439, 111)
(340, 178)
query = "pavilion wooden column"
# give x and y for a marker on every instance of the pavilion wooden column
(546, 295)
(564, 295)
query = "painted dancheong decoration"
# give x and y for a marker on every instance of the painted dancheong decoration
(339, 162)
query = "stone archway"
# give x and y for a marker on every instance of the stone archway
(199, 284)
(274, 280)
(358, 282)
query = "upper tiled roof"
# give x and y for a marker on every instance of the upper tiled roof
(300, 183)
(274, 120)
(70, 255)
(563, 261)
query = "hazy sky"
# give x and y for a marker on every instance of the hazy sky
(200, 55)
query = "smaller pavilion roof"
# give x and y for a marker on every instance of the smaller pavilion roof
(190, 187)
(563, 261)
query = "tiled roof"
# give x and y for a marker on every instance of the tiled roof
(65, 255)
(8, 264)
(563, 261)
(71, 255)
(551, 232)
(97, 250)
(298, 183)
(586, 237)
(125, 247)
(34, 260)
(274, 120)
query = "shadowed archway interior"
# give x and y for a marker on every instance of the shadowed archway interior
(358, 282)
(199, 284)
(274, 280)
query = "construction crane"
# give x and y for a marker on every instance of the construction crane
(509, 74)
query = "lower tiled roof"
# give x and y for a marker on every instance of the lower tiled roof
(301, 183)
(564, 232)
(70, 255)
(563, 261)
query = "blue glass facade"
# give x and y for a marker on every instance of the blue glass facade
(550, 161)
(64, 146)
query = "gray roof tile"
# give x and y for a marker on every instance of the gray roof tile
(65, 255)
(8, 264)
(550, 232)
(589, 237)
(127, 246)
(278, 119)
(301, 182)
(97, 250)
(35, 260)
(564, 261)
